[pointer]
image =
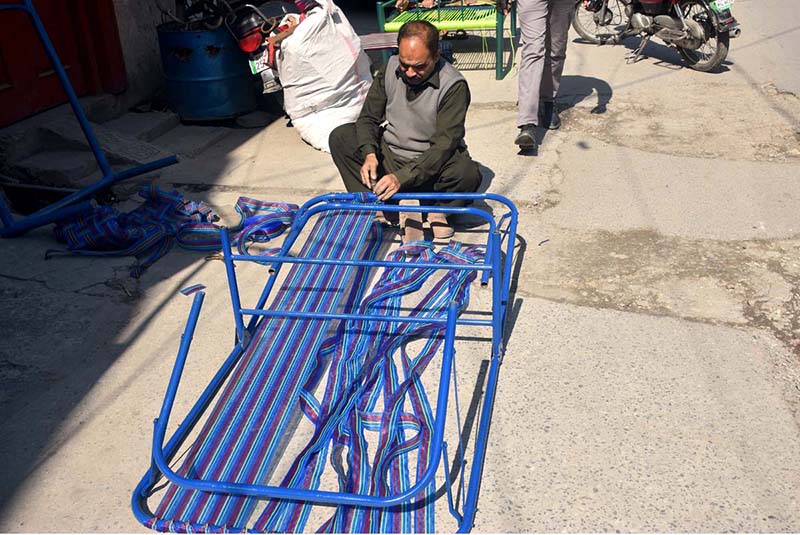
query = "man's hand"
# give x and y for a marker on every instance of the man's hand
(386, 187)
(401, 5)
(369, 171)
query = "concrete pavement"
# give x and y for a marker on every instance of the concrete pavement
(652, 380)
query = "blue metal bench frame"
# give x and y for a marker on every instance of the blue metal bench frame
(496, 268)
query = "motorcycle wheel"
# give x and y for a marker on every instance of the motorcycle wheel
(592, 29)
(714, 50)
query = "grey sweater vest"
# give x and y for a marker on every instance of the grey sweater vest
(411, 125)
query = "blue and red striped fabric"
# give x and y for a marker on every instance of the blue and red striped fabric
(374, 423)
(240, 438)
(363, 376)
(164, 219)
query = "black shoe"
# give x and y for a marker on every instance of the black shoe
(548, 114)
(526, 139)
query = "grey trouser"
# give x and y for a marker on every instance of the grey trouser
(545, 28)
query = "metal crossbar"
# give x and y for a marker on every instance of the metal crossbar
(232, 499)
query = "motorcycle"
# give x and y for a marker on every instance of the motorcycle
(700, 29)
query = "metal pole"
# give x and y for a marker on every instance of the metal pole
(232, 284)
(512, 13)
(5, 212)
(498, 41)
(73, 98)
(106, 182)
(471, 503)
(17, 228)
(180, 360)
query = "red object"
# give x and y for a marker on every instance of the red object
(251, 41)
(86, 38)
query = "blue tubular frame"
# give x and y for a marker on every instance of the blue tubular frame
(63, 209)
(495, 266)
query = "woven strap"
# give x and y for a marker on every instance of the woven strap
(163, 220)
(241, 436)
(362, 377)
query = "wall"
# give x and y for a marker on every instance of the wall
(137, 21)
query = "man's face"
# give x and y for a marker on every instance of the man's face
(416, 61)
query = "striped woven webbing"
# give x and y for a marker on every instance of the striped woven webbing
(149, 231)
(363, 376)
(239, 439)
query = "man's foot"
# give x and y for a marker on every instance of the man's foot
(411, 223)
(387, 219)
(548, 114)
(526, 139)
(381, 219)
(440, 227)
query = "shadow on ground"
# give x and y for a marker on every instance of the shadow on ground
(68, 322)
(64, 335)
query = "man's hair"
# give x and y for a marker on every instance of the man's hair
(421, 29)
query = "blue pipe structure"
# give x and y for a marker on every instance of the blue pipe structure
(498, 265)
(11, 229)
(60, 210)
(316, 496)
(363, 317)
(232, 284)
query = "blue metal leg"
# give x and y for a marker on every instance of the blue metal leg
(145, 486)
(37, 220)
(448, 486)
(5, 213)
(62, 76)
(233, 285)
(108, 181)
(499, 288)
(180, 361)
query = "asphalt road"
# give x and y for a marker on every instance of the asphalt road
(767, 49)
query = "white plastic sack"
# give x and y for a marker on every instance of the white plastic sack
(324, 73)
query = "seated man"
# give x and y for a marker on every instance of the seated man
(410, 133)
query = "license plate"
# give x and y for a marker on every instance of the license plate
(262, 63)
(722, 5)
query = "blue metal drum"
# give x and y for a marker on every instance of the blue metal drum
(207, 76)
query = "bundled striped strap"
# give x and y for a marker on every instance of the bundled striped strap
(241, 437)
(260, 222)
(363, 376)
(165, 218)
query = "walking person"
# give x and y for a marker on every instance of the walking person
(545, 28)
